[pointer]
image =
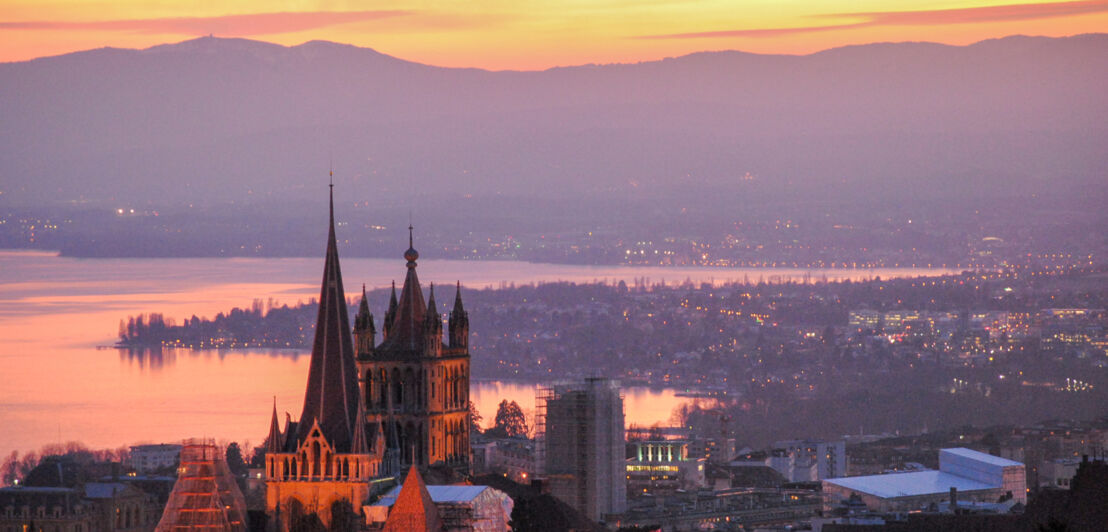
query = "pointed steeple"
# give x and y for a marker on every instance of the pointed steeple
(390, 314)
(432, 308)
(432, 328)
(405, 338)
(360, 445)
(274, 443)
(458, 309)
(459, 322)
(364, 331)
(413, 509)
(332, 394)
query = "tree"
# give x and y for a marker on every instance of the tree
(510, 420)
(474, 419)
(343, 518)
(234, 459)
(9, 470)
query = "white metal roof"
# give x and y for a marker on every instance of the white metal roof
(445, 493)
(909, 484)
(981, 457)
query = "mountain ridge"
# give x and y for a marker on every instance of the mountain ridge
(192, 43)
(226, 118)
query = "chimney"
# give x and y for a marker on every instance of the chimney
(953, 499)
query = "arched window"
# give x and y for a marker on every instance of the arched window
(397, 389)
(316, 452)
(382, 388)
(369, 390)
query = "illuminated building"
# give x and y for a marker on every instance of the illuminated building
(864, 319)
(414, 388)
(368, 409)
(663, 467)
(325, 457)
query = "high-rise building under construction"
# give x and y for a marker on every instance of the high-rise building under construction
(580, 445)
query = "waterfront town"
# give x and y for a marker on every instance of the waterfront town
(389, 439)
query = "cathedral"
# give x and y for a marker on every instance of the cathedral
(371, 410)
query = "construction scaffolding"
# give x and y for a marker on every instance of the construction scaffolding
(205, 496)
(579, 445)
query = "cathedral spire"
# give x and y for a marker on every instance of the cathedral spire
(332, 392)
(459, 322)
(360, 445)
(273, 443)
(405, 331)
(364, 331)
(390, 314)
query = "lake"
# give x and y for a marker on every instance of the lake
(56, 386)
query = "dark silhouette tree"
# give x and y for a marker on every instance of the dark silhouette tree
(343, 518)
(510, 420)
(234, 459)
(474, 419)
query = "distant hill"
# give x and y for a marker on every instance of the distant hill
(240, 119)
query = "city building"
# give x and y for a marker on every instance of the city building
(580, 446)
(93, 507)
(864, 320)
(205, 496)
(1059, 472)
(808, 460)
(61, 509)
(326, 456)
(512, 457)
(662, 467)
(968, 475)
(147, 458)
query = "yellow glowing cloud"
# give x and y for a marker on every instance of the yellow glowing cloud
(528, 34)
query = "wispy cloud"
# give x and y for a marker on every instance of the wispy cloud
(225, 26)
(935, 17)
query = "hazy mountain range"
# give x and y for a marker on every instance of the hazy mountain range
(239, 119)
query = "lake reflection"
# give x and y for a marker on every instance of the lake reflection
(56, 386)
(642, 406)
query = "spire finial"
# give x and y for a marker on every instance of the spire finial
(331, 186)
(411, 255)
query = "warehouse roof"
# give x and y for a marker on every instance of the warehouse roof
(909, 484)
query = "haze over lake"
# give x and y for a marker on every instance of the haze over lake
(55, 311)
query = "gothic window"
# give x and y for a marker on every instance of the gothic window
(369, 390)
(397, 389)
(315, 470)
(383, 388)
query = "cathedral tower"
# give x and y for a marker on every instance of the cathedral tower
(415, 389)
(325, 457)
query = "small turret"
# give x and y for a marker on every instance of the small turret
(365, 334)
(459, 322)
(390, 314)
(275, 442)
(432, 327)
(360, 444)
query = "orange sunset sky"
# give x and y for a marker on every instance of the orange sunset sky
(527, 34)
